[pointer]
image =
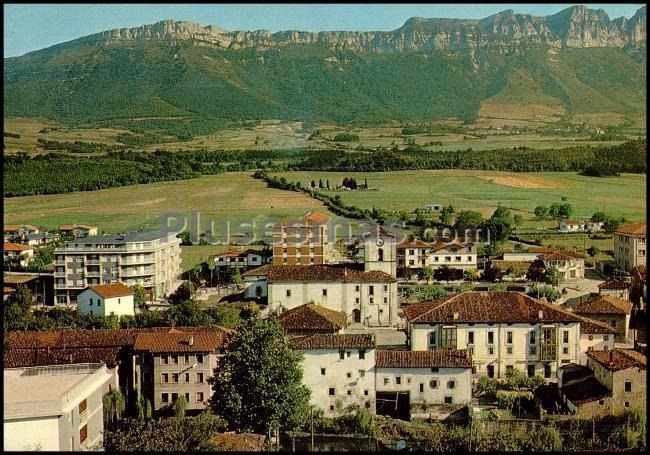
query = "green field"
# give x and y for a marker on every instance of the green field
(234, 197)
(484, 190)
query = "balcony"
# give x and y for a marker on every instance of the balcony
(137, 261)
(92, 261)
(59, 274)
(548, 352)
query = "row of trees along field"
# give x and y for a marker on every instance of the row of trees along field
(47, 174)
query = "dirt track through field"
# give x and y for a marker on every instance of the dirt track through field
(524, 181)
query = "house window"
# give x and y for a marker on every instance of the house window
(565, 351)
(606, 337)
(591, 337)
(432, 338)
(349, 392)
(175, 359)
(362, 354)
(164, 398)
(433, 383)
(628, 386)
(458, 259)
(341, 355)
(199, 377)
(187, 377)
(451, 384)
(509, 337)
(470, 338)
(421, 387)
(371, 290)
(91, 302)
(199, 397)
(386, 381)
(490, 350)
(372, 300)
(324, 292)
(332, 391)
(613, 323)
(187, 397)
(531, 371)
(509, 369)
(385, 288)
(164, 378)
(288, 292)
(547, 370)
(490, 338)
(565, 336)
(435, 370)
(365, 392)
(164, 360)
(356, 300)
(362, 373)
(448, 338)
(349, 374)
(490, 371)
(532, 350)
(322, 371)
(449, 400)
(356, 288)
(83, 434)
(385, 299)
(398, 380)
(175, 378)
(186, 360)
(199, 358)
(83, 406)
(601, 402)
(532, 339)
(509, 350)
(627, 404)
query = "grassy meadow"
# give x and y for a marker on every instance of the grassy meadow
(484, 190)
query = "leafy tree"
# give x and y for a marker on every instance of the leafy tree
(224, 316)
(187, 313)
(471, 275)
(593, 251)
(431, 292)
(536, 271)
(611, 224)
(186, 238)
(17, 314)
(492, 273)
(541, 212)
(447, 214)
(184, 293)
(468, 219)
(518, 219)
(140, 297)
(320, 184)
(598, 217)
(114, 407)
(237, 277)
(427, 272)
(257, 384)
(179, 407)
(552, 276)
(313, 184)
(546, 292)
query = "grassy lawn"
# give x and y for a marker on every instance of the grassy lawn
(231, 197)
(484, 190)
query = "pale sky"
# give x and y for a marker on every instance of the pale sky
(29, 27)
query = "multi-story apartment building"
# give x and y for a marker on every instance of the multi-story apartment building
(174, 363)
(416, 254)
(149, 258)
(608, 310)
(630, 246)
(613, 381)
(501, 331)
(303, 242)
(55, 408)
(339, 369)
(431, 384)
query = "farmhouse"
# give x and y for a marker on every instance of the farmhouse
(17, 254)
(106, 300)
(572, 226)
(570, 265)
(500, 330)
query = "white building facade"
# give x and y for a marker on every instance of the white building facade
(106, 300)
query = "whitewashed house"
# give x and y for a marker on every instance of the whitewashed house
(339, 369)
(501, 331)
(436, 383)
(572, 226)
(594, 335)
(106, 299)
(416, 254)
(615, 288)
(570, 265)
(242, 259)
(17, 253)
(255, 284)
(78, 230)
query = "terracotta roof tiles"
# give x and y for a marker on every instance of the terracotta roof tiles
(280, 273)
(108, 291)
(604, 304)
(613, 283)
(619, 359)
(334, 341)
(312, 317)
(632, 229)
(438, 358)
(9, 246)
(170, 342)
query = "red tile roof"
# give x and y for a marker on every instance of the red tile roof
(415, 243)
(541, 249)
(590, 326)
(71, 227)
(448, 245)
(632, 229)
(604, 304)
(170, 342)
(280, 273)
(312, 317)
(259, 271)
(585, 391)
(561, 256)
(613, 283)
(487, 307)
(108, 291)
(619, 359)
(316, 217)
(334, 341)
(9, 246)
(505, 265)
(438, 358)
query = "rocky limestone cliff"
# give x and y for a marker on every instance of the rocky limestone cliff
(574, 27)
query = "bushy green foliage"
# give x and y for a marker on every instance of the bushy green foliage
(346, 137)
(546, 292)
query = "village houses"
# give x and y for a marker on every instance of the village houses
(17, 254)
(106, 300)
(630, 246)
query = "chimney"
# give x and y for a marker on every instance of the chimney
(540, 314)
(456, 316)
(345, 271)
(191, 340)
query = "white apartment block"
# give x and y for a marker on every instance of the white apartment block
(339, 369)
(501, 331)
(55, 408)
(630, 246)
(149, 258)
